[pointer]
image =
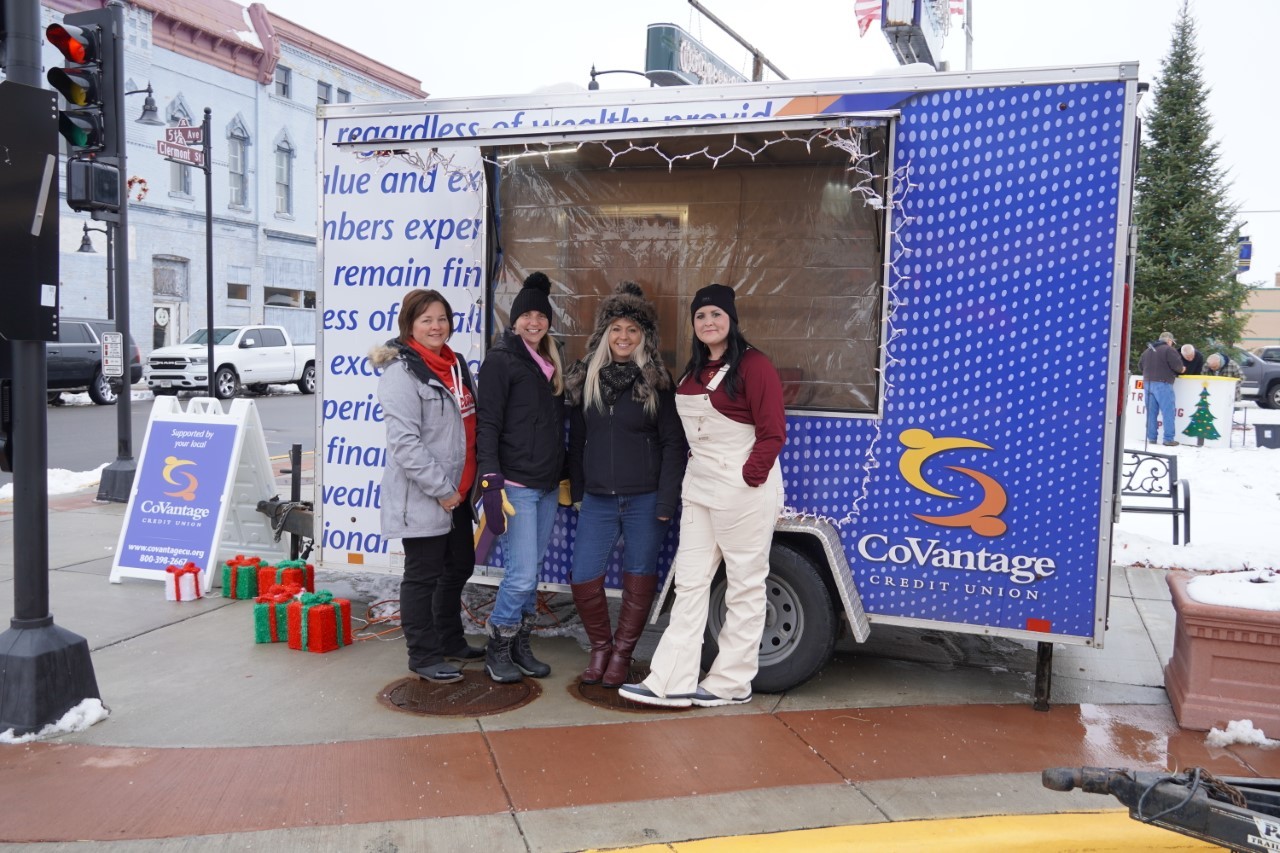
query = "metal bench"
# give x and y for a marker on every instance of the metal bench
(1152, 479)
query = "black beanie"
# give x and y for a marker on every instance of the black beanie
(534, 296)
(717, 295)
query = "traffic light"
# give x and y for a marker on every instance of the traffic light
(88, 84)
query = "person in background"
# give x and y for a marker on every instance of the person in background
(730, 402)
(1160, 365)
(626, 458)
(429, 408)
(1220, 364)
(520, 452)
(1192, 360)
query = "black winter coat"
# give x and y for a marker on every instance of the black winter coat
(519, 418)
(623, 451)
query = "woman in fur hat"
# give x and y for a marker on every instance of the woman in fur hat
(730, 401)
(520, 450)
(626, 460)
(429, 409)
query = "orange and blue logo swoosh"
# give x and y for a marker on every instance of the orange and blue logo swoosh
(922, 445)
(188, 490)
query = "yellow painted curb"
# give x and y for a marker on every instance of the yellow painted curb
(1105, 831)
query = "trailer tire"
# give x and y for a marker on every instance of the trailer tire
(800, 622)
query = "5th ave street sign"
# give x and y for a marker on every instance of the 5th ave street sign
(180, 153)
(184, 134)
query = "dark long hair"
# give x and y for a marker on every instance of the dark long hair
(735, 345)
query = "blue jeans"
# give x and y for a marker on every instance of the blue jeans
(602, 520)
(1159, 400)
(524, 543)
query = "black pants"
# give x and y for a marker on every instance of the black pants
(436, 568)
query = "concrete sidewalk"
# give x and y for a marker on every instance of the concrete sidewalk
(216, 743)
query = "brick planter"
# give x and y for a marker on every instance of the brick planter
(1225, 664)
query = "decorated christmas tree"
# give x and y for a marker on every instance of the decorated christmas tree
(1202, 419)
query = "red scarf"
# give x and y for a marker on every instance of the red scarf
(442, 366)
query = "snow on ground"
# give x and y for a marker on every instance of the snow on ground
(63, 482)
(1235, 507)
(79, 718)
(1239, 731)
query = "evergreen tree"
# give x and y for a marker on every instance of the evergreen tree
(1185, 280)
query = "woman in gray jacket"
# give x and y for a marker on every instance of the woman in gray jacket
(429, 407)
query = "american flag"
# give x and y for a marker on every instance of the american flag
(867, 11)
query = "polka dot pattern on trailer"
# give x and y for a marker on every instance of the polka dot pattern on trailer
(1003, 287)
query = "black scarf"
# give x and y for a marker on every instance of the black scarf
(616, 378)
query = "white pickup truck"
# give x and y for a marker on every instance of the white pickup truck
(249, 356)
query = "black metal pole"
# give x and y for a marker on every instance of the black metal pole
(111, 296)
(117, 478)
(295, 491)
(44, 670)
(206, 131)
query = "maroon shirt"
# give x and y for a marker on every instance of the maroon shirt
(759, 403)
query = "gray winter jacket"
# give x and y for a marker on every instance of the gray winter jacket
(426, 443)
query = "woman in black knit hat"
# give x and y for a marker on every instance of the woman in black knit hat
(520, 454)
(626, 460)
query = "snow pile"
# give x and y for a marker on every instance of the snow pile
(79, 718)
(1239, 731)
(1255, 590)
(63, 482)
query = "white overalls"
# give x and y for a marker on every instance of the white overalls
(722, 517)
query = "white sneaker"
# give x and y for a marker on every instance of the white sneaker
(704, 698)
(643, 695)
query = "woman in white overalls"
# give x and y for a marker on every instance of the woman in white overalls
(730, 402)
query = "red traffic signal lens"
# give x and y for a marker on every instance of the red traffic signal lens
(77, 44)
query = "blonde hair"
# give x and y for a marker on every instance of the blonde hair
(550, 350)
(591, 395)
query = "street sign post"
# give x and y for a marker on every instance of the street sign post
(180, 153)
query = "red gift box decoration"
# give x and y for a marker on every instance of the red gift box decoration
(271, 616)
(319, 623)
(286, 573)
(183, 584)
(240, 577)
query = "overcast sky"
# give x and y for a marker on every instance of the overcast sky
(515, 46)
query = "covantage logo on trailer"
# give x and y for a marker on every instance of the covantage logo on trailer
(983, 519)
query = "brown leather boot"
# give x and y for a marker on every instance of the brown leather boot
(593, 610)
(637, 596)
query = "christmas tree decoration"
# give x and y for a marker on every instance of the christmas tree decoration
(296, 572)
(319, 623)
(240, 577)
(183, 584)
(271, 614)
(1202, 419)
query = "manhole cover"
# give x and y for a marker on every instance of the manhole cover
(476, 695)
(608, 697)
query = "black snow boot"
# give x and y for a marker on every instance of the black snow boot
(522, 652)
(497, 655)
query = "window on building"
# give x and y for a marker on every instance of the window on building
(284, 82)
(284, 178)
(179, 179)
(237, 292)
(238, 169)
(281, 297)
(344, 97)
(324, 94)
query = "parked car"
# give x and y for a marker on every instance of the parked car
(75, 361)
(252, 356)
(1260, 379)
(1271, 354)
